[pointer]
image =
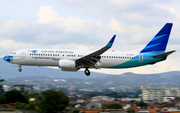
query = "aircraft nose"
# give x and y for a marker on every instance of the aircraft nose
(8, 58)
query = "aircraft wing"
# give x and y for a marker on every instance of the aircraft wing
(164, 54)
(92, 58)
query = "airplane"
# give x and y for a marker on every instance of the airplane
(73, 60)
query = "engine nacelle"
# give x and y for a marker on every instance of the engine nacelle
(67, 64)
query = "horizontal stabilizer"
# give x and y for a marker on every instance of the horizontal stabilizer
(164, 54)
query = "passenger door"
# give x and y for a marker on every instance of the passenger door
(141, 58)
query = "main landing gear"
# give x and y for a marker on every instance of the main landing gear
(20, 69)
(87, 72)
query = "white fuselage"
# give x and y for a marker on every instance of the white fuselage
(51, 57)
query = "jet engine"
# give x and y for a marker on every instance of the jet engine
(67, 65)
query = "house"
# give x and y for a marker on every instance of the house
(91, 111)
(139, 110)
(134, 107)
(102, 98)
(129, 99)
(155, 105)
(77, 100)
(125, 104)
(104, 111)
(148, 111)
(93, 105)
(169, 107)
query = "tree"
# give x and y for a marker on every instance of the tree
(19, 105)
(75, 111)
(33, 95)
(23, 91)
(1, 87)
(112, 106)
(2, 100)
(13, 96)
(142, 104)
(86, 97)
(177, 98)
(52, 101)
(31, 106)
(130, 111)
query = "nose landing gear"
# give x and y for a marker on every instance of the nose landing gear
(87, 72)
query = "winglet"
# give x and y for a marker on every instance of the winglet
(110, 42)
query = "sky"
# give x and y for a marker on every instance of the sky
(89, 25)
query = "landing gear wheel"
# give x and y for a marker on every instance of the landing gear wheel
(19, 69)
(87, 72)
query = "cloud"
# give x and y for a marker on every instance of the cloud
(116, 26)
(71, 24)
(8, 44)
(47, 14)
(13, 27)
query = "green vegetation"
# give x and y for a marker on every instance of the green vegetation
(1, 87)
(142, 104)
(131, 111)
(49, 101)
(86, 97)
(19, 105)
(112, 106)
(13, 96)
(177, 98)
(52, 101)
(31, 106)
(75, 111)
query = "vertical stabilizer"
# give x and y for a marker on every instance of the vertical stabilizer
(159, 42)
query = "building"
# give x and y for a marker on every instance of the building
(125, 104)
(27, 88)
(104, 111)
(152, 93)
(172, 91)
(93, 105)
(102, 98)
(76, 100)
(148, 111)
(139, 110)
(168, 97)
(129, 99)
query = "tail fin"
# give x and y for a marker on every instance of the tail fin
(159, 42)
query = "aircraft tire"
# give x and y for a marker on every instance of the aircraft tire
(19, 70)
(87, 72)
